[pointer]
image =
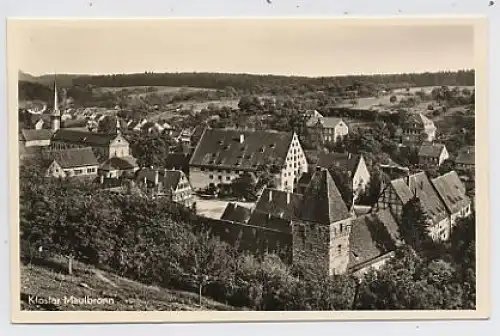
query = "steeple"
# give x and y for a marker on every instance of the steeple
(118, 126)
(56, 113)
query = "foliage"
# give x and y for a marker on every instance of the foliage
(414, 224)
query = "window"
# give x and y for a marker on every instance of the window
(339, 249)
(210, 176)
(220, 177)
(228, 178)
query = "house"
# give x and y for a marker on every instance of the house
(222, 155)
(312, 114)
(433, 154)
(399, 191)
(236, 213)
(116, 167)
(73, 162)
(417, 128)
(452, 192)
(171, 184)
(35, 137)
(373, 238)
(354, 165)
(137, 125)
(465, 160)
(326, 129)
(105, 145)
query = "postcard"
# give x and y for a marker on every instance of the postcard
(248, 169)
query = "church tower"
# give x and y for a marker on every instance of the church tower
(320, 234)
(56, 113)
(118, 127)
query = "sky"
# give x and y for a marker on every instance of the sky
(283, 47)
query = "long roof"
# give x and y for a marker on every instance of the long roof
(35, 135)
(83, 137)
(119, 163)
(323, 202)
(452, 191)
(269, 221)
(279, 203)
(327, 122)
(222, 148)
(433, 150)
(371, 236)
(419, 185)
(343, 160)
(72, 158)
(236, 213)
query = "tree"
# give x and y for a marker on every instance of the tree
(414, 224)
(244, 186)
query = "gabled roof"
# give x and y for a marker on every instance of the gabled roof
(323, 202)
(434, 150)
(83, 137)
(168, 179)
(466, 156)
(327, 122)
(419, 119)
(35, 135)
(452, 191)
(346, 161)
(269, 221)
(372, 236)
(279, 203)
(236, 213)
(119, 163)
(419, 184)
(222, 148)
(72, 158)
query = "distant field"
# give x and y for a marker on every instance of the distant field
(427, 89)
(198, 106)
(142, 90)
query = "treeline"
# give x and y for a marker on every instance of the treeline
(154, 242)
(270, 84)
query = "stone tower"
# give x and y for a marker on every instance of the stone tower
(321, 232)
(56, 113)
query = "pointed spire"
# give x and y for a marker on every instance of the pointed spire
(56, 111)
(323, 202)
(118, 125)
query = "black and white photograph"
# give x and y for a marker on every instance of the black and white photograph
(215, 166)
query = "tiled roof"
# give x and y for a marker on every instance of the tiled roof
(323, 202)
(222, 148)
(346, 161)
(81, 136)
(466, 156)
(419, 119)
(75, 123)
(236, 213)
(372, 236)
(74, 157)
(279, 203)
(119, 163)
(452, 191)
(35, 135)
(327, 122)
(168, 179)
(269, 221)
(434, 150)
(419, 184)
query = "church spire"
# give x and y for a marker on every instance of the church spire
(56, 114)
(118, 125)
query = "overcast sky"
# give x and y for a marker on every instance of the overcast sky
(309, 47)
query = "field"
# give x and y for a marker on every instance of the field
(143, 90)
(47, 281)
(214, 208)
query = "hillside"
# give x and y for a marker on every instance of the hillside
(44, 282)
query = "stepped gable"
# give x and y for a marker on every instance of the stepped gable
(323, 202)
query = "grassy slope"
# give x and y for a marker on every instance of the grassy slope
(48, 282)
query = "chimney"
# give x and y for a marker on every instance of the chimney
(287, 198)
(242, 138)
(270, 195)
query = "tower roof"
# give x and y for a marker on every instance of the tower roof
(323, 202)
(56, 112)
